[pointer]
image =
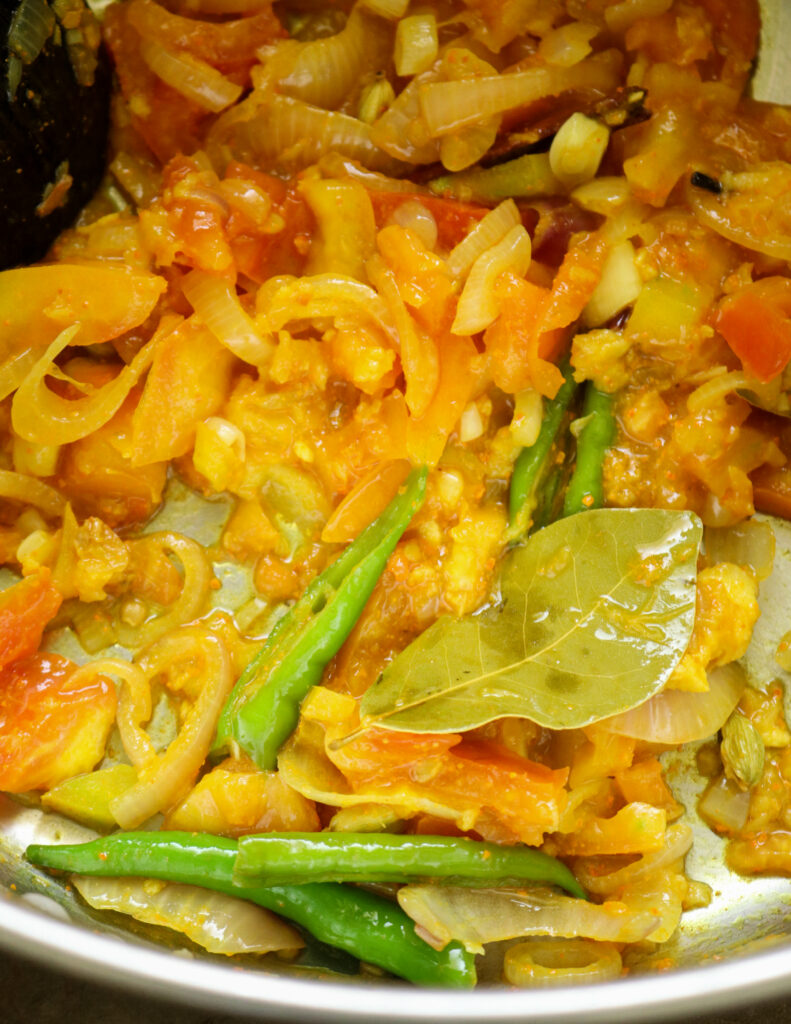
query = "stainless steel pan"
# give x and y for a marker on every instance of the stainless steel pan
(737, 950)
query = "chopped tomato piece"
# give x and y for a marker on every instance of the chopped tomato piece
(234, 799)
(97, 476)
(503, 796)
(229, 46)
(532, 329)
(756, 323)
(188, 381)
(261, 255)
(25, 609)
(50, 730)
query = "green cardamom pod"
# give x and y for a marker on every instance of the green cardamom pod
(742, 751)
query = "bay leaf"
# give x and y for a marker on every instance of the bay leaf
(595, 612)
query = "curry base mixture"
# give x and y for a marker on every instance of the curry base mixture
(338, 242)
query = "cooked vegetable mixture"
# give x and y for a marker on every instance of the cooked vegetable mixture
(379, 456)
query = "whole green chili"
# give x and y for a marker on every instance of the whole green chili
(263, 709)
(586, 489)
(366, 925)
(290, 857)
(532, 464)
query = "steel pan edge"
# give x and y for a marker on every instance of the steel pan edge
(106, 960)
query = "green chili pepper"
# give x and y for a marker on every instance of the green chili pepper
(533, 463)
(526, 177)
(364, 924)
(290, 857)
(586, 489)
(263, 709)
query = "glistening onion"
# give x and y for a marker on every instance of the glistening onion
(215, 301)
(477, 916)
(219, 923)
(543, 962)
(673, 717)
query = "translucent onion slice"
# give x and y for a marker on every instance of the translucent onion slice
(134, 703)
(219, 923)
(287, 131)
(36, 303)
(419, 353)
(401, 130)
(285, 299)
(725, 806)
(711, 211)
(543, 963)
(193, 78)
(166, 777)
(390, 9)
(750, 543)
(490, 230)
(477, 916)
(28, 490)
(194, 589)
(448, 106)
(215, 301)
(478, 305)
(673, 717)
(324, 71)
(678, 840)
(41, 416)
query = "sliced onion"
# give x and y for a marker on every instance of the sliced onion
(419, 353)
(18, 487)
(215, 301)
(725, 805)
(711, 211)
(662, 894)
(134, 703)
(750, 543)
(401, 130)
(288, 131)
(415, 216)
(285, 299)
(448, 106)
(479, 306)
(678, 840)
(390, 9)
(219, 923)
(41, 416)
(477, 916)
(194, 589)
(490, 230)
(673, 717)
(193, 78)
(324, 71)
(545, 963)
(31, 26)
(164, 778)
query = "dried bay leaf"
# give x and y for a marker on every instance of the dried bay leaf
(596, 611)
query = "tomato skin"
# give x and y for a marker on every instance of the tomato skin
(50, 731)
(756, 323)
(25, 609)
